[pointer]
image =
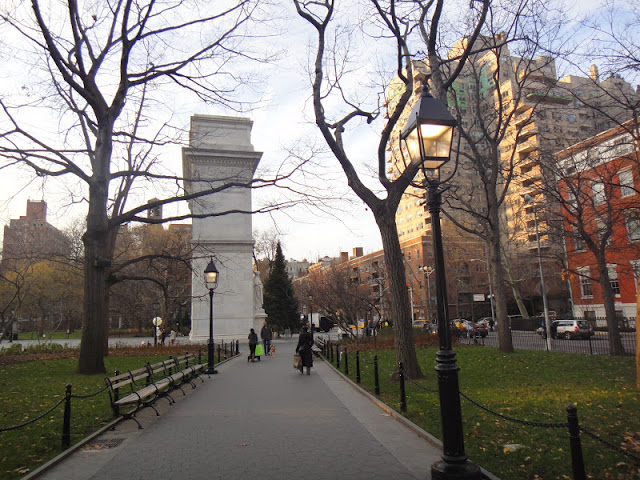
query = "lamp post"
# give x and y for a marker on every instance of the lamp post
(547, 324)
(211, 281)
(156, 305)
(428, 136)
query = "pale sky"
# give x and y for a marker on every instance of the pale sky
(285, 117)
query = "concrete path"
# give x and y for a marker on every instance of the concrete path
(261, 420)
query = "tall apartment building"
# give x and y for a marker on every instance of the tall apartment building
(544, 114)
(30, 237)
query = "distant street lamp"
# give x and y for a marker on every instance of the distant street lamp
(211, 281)
(547, 324)
(428, 136)
(157, 321)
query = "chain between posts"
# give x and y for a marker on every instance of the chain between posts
(571, 424)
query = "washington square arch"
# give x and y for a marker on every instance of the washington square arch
(220, 152)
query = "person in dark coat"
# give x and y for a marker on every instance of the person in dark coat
(253, 341)
(305, 342)
(266, 336)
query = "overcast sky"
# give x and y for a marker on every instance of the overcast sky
(285, 116)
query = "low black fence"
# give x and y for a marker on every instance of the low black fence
(331, 350)
(598, 344)
(224, 349)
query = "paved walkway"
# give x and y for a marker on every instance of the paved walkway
(261, 420)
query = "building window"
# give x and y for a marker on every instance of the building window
(613, 279)
(626, 183)
(598, 193)
(585, 283)
(633, 226)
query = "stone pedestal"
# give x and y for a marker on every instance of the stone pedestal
(220, 153)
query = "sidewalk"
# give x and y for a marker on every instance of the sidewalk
(261, 420)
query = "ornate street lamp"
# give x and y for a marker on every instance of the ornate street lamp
(428, 137)
(157, 321)
(211, 281)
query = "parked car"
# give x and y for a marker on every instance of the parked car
(431, 328)
(478, 330)
(568, 329)
(486, 322)
(418, 324)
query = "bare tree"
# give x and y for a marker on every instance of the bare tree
(610, 46)
(160, 260)
(487, 95)
(107, 69)
(336, 296)
(598, 210)
(338, 108)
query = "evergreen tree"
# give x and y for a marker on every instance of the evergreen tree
(279, 302)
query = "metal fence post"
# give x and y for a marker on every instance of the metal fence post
(337, 357)
(403, 396)
(66, 423)
(577, 462)
(346, 361)
(218, 353)
(357, 366)
(331, 350)
(375, 374)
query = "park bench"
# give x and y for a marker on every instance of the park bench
(189, 364)
(142, 387)
(136, 389)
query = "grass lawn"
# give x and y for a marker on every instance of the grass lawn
(530, 386)
(31, 388)
(527, 385)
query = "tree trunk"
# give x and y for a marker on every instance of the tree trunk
(516, 291)
(505, 344)
(400, 311)
(98, 253)
(92, 346)
(615, 342)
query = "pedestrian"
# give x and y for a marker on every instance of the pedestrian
(253, 341)
(491, 324)
(172, 336)
(163, 335)
(266, 335)
(305, 342)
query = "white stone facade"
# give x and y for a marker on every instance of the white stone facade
(220, 153)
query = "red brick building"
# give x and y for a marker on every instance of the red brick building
(30, 237)
(601, 211)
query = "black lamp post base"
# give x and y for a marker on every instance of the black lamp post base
(212, 371)
(442, 470)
